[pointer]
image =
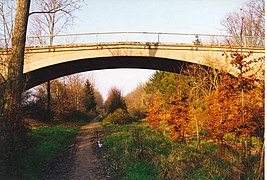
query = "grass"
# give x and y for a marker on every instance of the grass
(141, 171)
(50, 142)
(130, 150)
(47, 143)
(41, 144)
(140, 152)
(44, 144)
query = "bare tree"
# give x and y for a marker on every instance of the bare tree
(12, 127)
(248, 21)
(7, 22)
(75, 88)
(52, 17)
(135, 101)
(6, 28)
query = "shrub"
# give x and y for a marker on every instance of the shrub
(76, 117)
(120, 116)
(36, 111)
(13, 142)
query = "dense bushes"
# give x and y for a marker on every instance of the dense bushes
(36, 111)
(77, 117)
(119, 116)
(115, 101)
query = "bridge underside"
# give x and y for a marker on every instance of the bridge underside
(42, 75)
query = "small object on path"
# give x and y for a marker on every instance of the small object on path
(99, 144)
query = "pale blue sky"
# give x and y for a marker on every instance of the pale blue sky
(186, 16)
(183, 16)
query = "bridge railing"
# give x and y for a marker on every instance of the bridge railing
(143, 37)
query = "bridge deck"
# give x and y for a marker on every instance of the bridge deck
(45, 62)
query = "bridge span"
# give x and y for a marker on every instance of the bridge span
(152, 51)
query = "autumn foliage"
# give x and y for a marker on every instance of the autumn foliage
(224, 112)
(213, 104)
(179, 118)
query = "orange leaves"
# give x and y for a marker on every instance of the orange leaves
(212, 105)
(239, 60)
(221, 116)
(246, 65)
(154, 112)
(179, 119)
(171, 118)
(225, 112)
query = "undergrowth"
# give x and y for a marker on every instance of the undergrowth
(140, 152)
(130, 151)
(45, 143)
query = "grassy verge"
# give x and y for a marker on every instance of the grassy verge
(50, 142)
(42, 143)
(130, 151)
(46, 144)
(139, 152)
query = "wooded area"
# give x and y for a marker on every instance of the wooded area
(198, 106)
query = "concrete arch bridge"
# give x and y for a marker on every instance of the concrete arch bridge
(76, 53)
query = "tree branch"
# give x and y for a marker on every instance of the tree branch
(48, 12)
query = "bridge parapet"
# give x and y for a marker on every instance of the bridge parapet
(143, 37)
(152, 51)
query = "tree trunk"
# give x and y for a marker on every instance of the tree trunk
(48, 100)
(15, 131)
(261, 166)
(16, 60)
(197, 131)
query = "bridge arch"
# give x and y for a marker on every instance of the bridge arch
(44, 74)
(47, 63)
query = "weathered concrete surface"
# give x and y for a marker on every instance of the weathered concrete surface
(47, 63)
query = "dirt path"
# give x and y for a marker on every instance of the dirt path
(88, 161)
(84, 161)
